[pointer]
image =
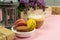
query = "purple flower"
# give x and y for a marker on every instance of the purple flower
(32, 3)
(23, 1)
(42, 2)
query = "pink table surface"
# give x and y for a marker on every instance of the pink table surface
(50, 30)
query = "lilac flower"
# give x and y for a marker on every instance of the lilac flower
(32, 3)
(42, 2)
(23, 1)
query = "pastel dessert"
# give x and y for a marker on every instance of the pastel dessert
(39, 19)
(20, 25)
(24, 26)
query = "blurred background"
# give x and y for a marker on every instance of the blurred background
(11, 10)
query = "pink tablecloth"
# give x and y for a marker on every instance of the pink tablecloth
(49, 31)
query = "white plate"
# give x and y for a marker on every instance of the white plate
(23, 34)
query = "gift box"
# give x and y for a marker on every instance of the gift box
(56, 10)
(6, 34)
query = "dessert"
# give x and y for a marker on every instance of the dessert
(24, 26)
(20, 25)
(31, 24)
(39, 19)
(20, 22)
(22, 29)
